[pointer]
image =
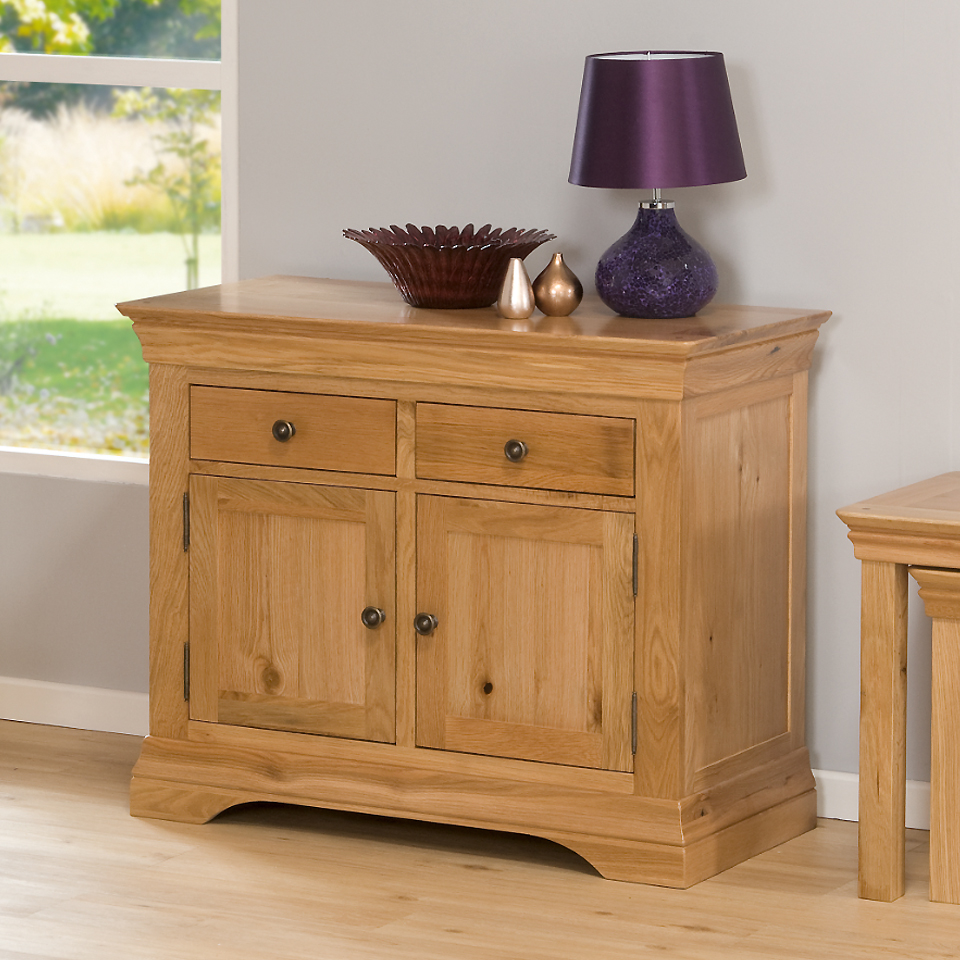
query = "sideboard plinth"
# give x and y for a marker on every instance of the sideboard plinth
(623, 836)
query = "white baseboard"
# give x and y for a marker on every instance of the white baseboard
(837, 798)
(74, 466)
(116, 711)
(64, 705)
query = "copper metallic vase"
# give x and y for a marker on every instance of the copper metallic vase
(516, 296)
(557, 291)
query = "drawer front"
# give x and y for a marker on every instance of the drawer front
(559, 451)
(349, 434)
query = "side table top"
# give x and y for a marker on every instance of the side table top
(917, 524)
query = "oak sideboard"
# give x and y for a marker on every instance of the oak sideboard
(543, 576)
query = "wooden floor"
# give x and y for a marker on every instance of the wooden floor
(80, 878)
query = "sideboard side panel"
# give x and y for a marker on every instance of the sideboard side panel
(738, 582)
(797, 645)
(660, 765)
(169, 623)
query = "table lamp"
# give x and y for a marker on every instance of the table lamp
(653, 120)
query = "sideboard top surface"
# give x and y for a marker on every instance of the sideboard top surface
(321, 307)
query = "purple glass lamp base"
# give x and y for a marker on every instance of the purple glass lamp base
(656, 271)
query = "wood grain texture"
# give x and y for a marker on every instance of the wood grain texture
(166, 801)
(516, 712)
(940, 590)
(660, 676)
(409, 790)
(645, 862)
(564, 451)
(737, 588)
(204, 582)
(917, 524)
(745, 793)
(797, 622)
(350, 434)
(588, 501)
(430, 762)
(406, 680)
(364, 331)
(298, 302)
(529, 676)
(750, 363)
(280, 574)
(80, 878)
(169, 600)
(636, 861)
(945, 762)
(883, 722)
(549, 399)
(498, 802)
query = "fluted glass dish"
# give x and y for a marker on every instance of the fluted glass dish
(448, 267)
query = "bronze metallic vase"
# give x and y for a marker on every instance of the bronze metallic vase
(516, 296)
(557, 290)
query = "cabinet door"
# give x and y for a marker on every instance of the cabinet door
(279, 576)
(532, 655)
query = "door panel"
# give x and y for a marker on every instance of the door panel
(532, 657)
(280, 573)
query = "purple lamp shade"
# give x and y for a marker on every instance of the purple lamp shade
(656, 119)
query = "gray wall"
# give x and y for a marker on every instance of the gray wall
(369, 112)
(73, 582)
(359, 113)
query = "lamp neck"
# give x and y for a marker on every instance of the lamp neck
(657, 203)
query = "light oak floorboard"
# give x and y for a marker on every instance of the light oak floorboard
(80, 878)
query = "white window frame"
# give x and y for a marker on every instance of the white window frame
(222, 75)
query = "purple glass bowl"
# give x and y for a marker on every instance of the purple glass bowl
(448, 267)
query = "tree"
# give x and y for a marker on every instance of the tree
(209, 10)
(180, 29)
(52, 26)
(191, 180)
(188, 171)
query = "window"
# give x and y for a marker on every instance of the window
(110, 169)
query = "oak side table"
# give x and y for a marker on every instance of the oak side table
(915, 527)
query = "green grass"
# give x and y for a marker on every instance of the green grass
(94, 362)
(71, 373)
(73, 384)
(82, 275)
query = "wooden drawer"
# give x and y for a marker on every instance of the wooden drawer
(350, 434)
(563, 451)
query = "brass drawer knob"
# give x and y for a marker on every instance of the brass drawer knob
(425, 624)
(515, 450)
(283, 430)
(372, 617)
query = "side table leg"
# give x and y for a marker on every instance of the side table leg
(945, 764)
(883, 722)
(940, 591)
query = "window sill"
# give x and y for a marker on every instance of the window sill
(74, 466)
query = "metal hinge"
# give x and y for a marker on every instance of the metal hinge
(636, 564)
(633, 723)
(186, 671)
(186, 522)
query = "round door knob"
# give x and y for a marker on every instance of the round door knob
(283, 430)
(425, 624)
(372, 617)
(515, 450)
